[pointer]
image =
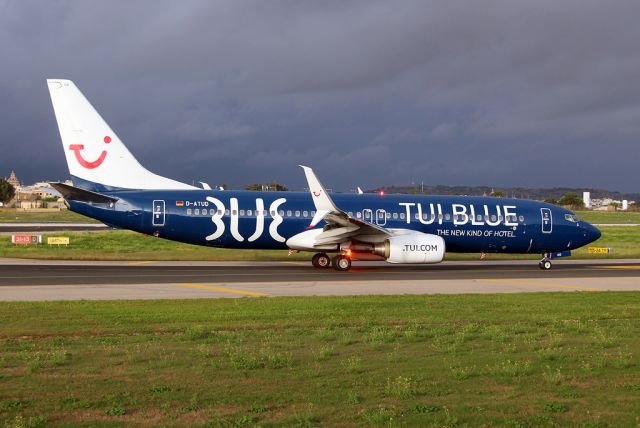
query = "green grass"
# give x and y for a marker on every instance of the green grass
(9, 215)
(125, 245)
(548, 359)
(610, 217)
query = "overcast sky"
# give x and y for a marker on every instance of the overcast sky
(369, 93)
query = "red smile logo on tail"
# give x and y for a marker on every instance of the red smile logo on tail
(89, 165)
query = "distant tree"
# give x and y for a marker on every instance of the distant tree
(572, 200)
(551, 201)
(254, 187)
(497, 194)
(7, 191)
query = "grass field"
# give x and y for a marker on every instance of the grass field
(521, 360)
(65, 216)
(124, 245)
(610, 217)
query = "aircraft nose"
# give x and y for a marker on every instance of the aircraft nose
(593, 233)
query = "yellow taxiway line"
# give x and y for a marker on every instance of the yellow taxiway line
(540, 284)
(223, 289)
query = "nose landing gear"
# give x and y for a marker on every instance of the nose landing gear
(545, 263)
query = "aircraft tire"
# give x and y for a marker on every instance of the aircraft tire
(341, 263)
(545, 264)
(321, 261)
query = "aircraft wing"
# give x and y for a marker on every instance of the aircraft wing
(341, 225)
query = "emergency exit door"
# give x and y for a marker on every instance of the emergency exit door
(158, 213)
(547, 220)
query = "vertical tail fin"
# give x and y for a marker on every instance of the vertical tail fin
(97, 158)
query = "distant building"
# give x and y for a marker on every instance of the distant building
(586, 199)
(13, 180)
(625, 204)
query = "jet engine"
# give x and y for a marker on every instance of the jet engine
(412, 247)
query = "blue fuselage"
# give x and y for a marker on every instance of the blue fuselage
(265, 220)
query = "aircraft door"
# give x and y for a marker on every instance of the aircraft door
(158, 213)
(367, 215)
(381, 217)
(547, 220)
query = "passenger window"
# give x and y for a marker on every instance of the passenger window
(297, 213)
(439, 216)
(204, 212)
(350, 214)
(305, 213)
(493, 217)
(281, 212)
(417, 217)
(250, 213)
(521, 218)
(395, 216)
(226, 212)
(242, 213)
(447, 217)
(388, 215)
(313, 213)
(188, 211)
(197, 211)
(288, 213)
(479, 217)
(358, 214)
(401, 216)
(234, 212)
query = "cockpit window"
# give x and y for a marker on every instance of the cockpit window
(572, 218)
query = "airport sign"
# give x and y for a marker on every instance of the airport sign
(26, 239)
(58, 240)
(599, 250)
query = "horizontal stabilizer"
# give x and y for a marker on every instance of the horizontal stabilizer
(81, 195)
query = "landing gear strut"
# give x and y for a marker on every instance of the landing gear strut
(321, 261)
(544, 264)
(341, 263)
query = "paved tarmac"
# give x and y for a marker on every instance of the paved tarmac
(63, 280)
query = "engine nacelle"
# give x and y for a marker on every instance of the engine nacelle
(414, 247)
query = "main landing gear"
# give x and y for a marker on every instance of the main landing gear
(321, 261)
(340, 262)
(544, 264)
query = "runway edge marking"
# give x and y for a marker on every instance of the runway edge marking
(223, 289)
(538, 284)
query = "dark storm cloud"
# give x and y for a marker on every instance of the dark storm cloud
(368, 92)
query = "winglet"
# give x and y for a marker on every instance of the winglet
(321, 199)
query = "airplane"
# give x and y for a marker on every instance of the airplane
(110, 185)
